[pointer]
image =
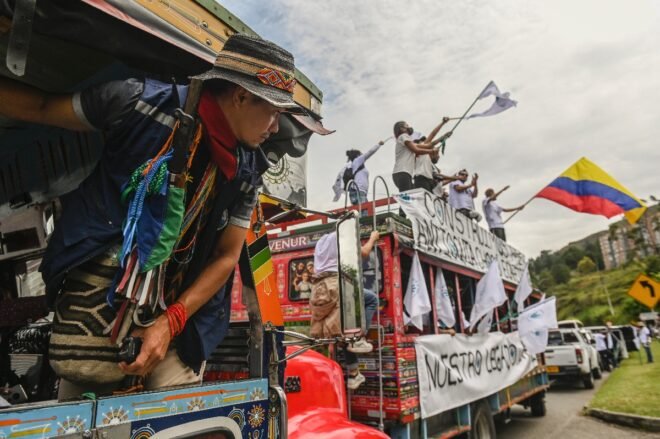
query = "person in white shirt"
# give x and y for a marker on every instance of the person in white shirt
(324, 301)
(601, 347)
(425, 164)
(461, 195)
(493, 212)
(406, 150)
(358, 173)
(645, 339)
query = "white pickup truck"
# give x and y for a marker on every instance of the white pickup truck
(569, 356)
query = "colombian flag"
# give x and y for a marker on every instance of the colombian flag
(585, 187)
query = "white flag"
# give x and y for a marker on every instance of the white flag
(490, 293)
(502, 101)
(466, 322)
(534, 322)
(491, 89)
(443, 304)
(484, 325)
(416, 303)
(338, 187)
(523, 290)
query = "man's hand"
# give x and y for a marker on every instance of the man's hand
(155, 342)
(365, 250)
(445, 136)
(521, 207)
(445, 119)
(505, 188)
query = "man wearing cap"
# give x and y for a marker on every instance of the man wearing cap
(493, 212)
(244, 94)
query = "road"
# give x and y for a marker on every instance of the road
(564, 419)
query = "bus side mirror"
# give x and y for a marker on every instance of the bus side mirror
(350, 276)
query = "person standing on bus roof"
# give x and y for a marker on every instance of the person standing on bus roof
(324, 302)
(493, 212)
(355, 170)
(461, 195)
(245, 93)
(406, 150)
(425, 164)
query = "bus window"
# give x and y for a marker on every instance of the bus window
(300, 278)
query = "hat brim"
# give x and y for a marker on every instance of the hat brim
(274, 96)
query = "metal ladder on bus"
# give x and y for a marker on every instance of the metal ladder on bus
(381, 332)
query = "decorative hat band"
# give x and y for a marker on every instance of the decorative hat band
(276, 78)
(268, 74)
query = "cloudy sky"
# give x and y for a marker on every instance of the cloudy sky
(586, 75)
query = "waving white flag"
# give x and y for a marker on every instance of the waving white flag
(502, 101)
(443, 304)
(534, 322)
(490, 293)
(484, 325)
(523, 290)
(416, 303)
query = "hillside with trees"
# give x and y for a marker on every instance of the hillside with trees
(575, 275)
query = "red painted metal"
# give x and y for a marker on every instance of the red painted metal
(319, 410)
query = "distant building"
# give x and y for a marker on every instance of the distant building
(623, 242)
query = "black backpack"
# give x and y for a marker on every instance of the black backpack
(349, 175)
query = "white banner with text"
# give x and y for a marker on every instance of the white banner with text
(441, 231)
(454, 371)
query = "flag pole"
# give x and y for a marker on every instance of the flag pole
(516, 212)
(460, 119)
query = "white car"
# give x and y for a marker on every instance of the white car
(569, 356)
(570, 324)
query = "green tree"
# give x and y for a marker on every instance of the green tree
(545, 279)
(586, 265)
(572, 255)
(560, 273)
(653, 266)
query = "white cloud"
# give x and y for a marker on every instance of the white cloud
(586, 75)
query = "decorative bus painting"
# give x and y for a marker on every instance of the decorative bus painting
(63, 46)
(391, 395)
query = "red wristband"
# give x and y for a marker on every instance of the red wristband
(177, 317)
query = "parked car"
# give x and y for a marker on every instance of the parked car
(629, 335)
(570, 324)
(589, 339)
(620, 350)
(570, 357)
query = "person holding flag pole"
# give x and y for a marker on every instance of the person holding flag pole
(493, 212)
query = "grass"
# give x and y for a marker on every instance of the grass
(633, 387)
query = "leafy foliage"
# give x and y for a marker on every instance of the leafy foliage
(586, 265)
(584, 296)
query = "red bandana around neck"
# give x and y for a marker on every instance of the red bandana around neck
(220, 138)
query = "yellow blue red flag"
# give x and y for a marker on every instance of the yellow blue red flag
(584, 187)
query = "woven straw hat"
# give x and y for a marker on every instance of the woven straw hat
(259, 66)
